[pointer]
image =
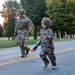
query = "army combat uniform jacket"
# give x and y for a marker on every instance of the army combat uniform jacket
(23, 26)
(48, 41)
(47, 46)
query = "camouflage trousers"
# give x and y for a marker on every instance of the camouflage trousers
(21, 41)
(47, 50)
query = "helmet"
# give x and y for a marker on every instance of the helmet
(47, 21)
(21, 11)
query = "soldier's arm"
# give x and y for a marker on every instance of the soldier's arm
(50, 36)
(30, 25)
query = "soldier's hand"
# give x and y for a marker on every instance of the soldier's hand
(13, 38)
(44, 37)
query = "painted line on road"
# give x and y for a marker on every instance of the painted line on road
(65, 50)
(31, 57)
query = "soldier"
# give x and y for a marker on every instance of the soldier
(47, 46)
(23, 26)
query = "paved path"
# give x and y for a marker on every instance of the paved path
(12, 64)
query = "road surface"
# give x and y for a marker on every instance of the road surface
(12, 64)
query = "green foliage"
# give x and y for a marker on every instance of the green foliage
(9, 9)
(11, 24)
(35, 10)
(62, 15)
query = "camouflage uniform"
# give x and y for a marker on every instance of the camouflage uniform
(47, 46)
(23, 26)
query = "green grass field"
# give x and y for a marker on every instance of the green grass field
(4, 43)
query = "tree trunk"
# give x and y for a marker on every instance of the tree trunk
(57, 34)
(70, 35)
(61, 34)
(35, 32)
(67, 35)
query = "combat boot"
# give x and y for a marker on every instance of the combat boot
(46, 64)
(23, 55)
(54, 66)
(27, 50)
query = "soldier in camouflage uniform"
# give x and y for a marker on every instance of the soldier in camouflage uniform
(23, 26)
(47, 45)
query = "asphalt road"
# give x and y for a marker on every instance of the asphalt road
(12, 64)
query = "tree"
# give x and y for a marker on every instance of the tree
(35, 10)
(62, 15)
(9, 9)
(70, 18)
(10, 25)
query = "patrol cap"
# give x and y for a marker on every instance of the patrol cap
(47, 21)
(21, 11)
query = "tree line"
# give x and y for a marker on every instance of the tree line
(61, 12)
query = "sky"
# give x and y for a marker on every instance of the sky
(1, 18)
(2, 2)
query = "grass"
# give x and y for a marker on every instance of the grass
(4, 43)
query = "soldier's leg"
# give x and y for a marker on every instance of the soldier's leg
(44, 58)
(52, 57)
(26, 48)
(22, 51)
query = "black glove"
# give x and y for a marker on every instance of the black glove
(13, 38)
